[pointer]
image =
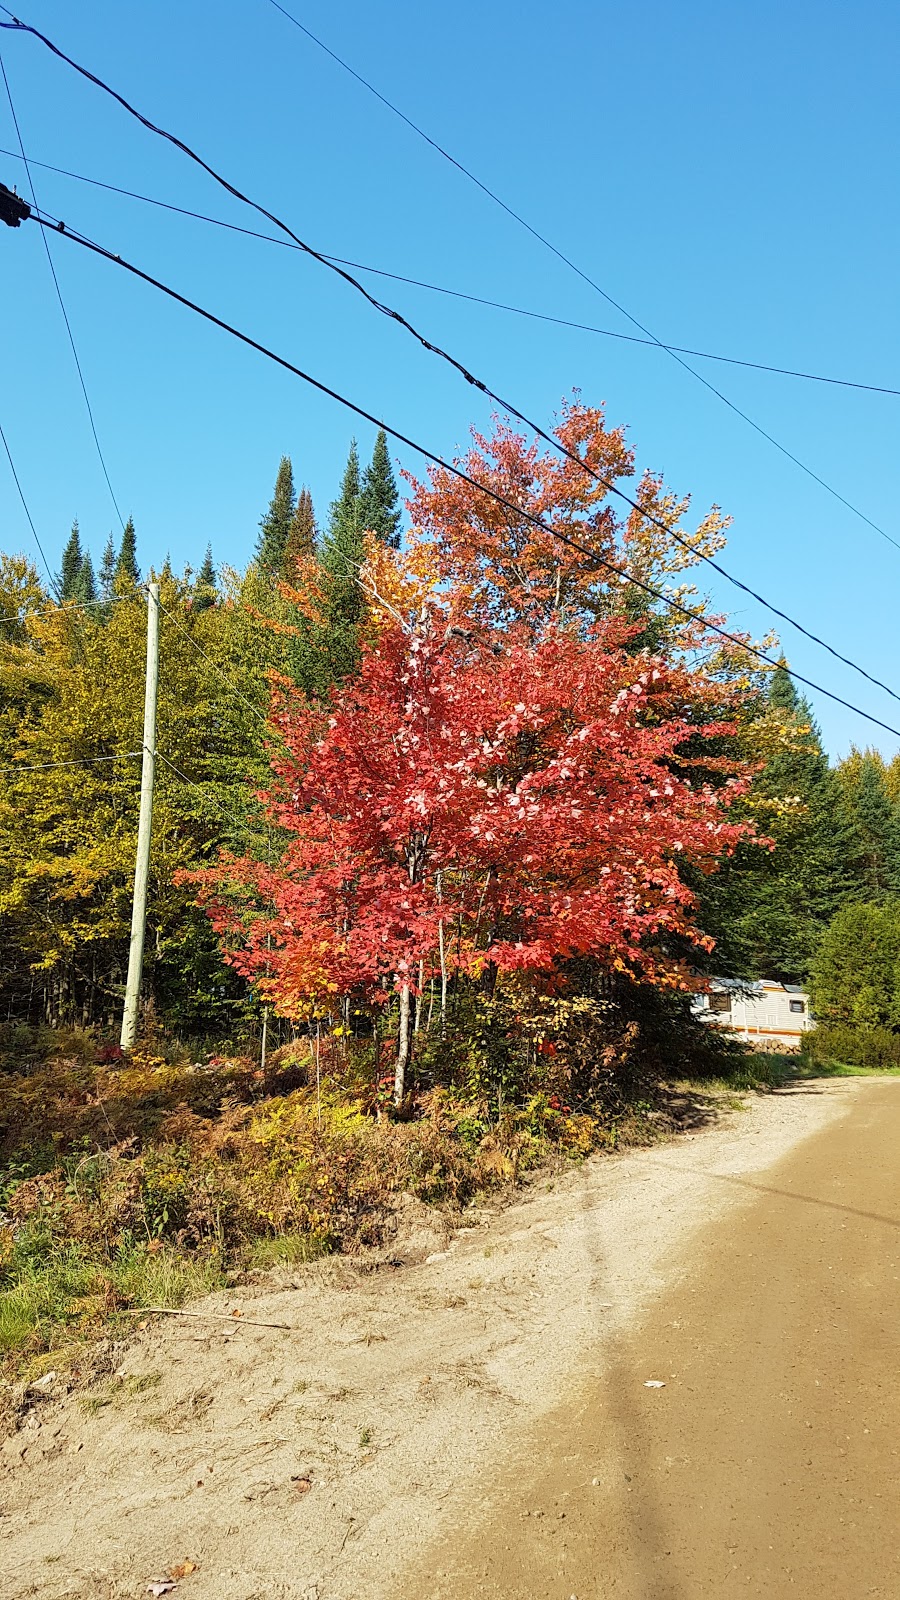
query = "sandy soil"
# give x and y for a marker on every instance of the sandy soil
(383, 1443)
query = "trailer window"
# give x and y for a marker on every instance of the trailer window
(720, 1002)
(799, 1006)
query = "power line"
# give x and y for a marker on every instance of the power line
(86, 761)
(217, 669)
(437, 460)
(53, 582)
(460, 294)
(672, 350)
(240, 824)
(396, 316)
(464, 372)
(484, 388)
(64, 606)
(62, 305)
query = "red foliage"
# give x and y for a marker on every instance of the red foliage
(527, 803)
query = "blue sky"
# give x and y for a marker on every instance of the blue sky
(728, 173)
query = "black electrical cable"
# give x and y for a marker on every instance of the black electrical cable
(427, 344)
(459, 294)
(63, 606)
(429, 455)
(200, 651)
(86, 761)
(62, 304)
(470, 377)
(50, 574)
(549, 438)
(548, 244)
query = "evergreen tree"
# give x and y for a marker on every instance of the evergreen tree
(72, 560)
(768, 910)
(275, 526)
(108, 569)
(127, 569)
(874, 820)
(380, 509)
(343, 552)
(86, 586)
(206, 591)
(857, 968)
(302, 535)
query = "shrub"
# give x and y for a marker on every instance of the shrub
(875, 1048)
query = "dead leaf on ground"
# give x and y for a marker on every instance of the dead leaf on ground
(183, 1569)
(302, 1484)
(161, 1586)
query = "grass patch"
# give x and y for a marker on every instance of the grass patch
(844, 1069)
(288, 1250)
(55, 1293)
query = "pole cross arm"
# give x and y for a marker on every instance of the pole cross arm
(13, 209)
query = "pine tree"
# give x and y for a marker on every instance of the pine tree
(127, 569)
(108, 569)
(205, 587)
(70, 570)
(275, 526)
(380, 509)
(302, 535)
(875, 823)
(343, 552)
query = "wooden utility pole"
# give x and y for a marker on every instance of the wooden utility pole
(145, 825)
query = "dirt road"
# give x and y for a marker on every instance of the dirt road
(478, 1424)
(769, 1463)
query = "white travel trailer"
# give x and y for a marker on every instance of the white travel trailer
(772, 1015)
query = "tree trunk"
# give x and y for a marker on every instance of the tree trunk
(420, 1000)
(443, 980)
(403, 1047)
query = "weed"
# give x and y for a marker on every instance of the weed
(365, 1438)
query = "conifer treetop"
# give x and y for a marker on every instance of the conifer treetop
(127, 569)
(275, 525)
(380, 501)
(70, 568)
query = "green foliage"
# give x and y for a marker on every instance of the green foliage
(73, 690)
(72, 561)
(205, 588)
(379, 510)
(127, 572)
(86, 591)
(856, 974)
(302, 536)
(839, 1043)
(108, 569)
(769, 909)
(343, 552)
(873, 820)
(275, 526)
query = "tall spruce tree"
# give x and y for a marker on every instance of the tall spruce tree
(380, 502)
(302, 535)
(343, 552)
(86, 587)
(205, 586)
(127, 569)
(108, 569)
(70, 570)
(768, 910)
(275, 526)
(874, 823)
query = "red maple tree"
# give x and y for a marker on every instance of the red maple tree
(482, 808)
